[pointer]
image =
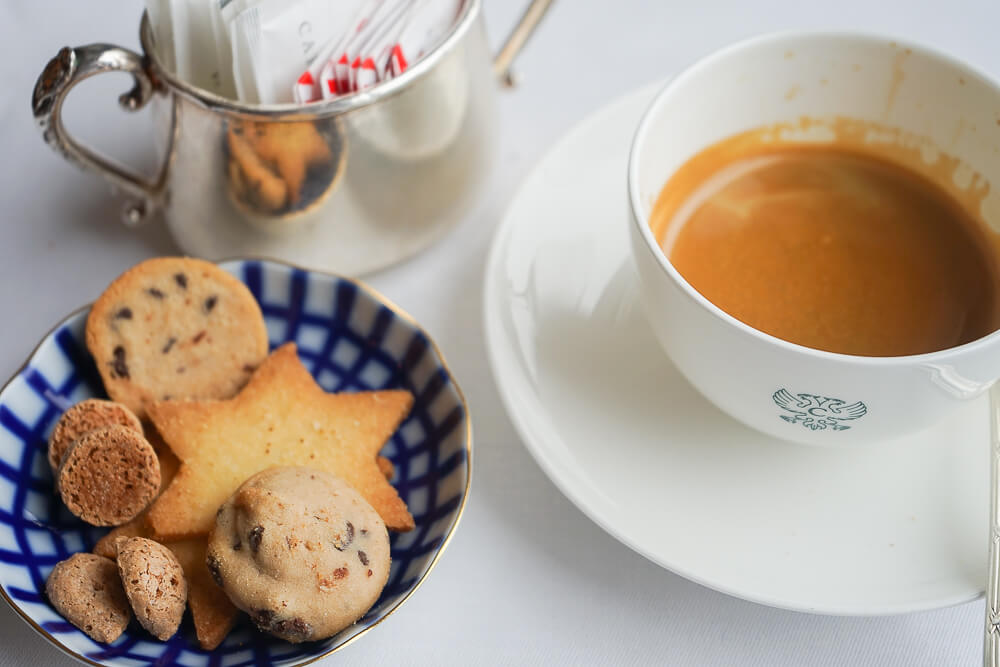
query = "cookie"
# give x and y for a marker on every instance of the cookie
(281, 152)
(139, 527)
(86, 416)
(108, 476)
(154, 584)
(385, 467)
(87, 591)
(213, 613)
(251, 179)
(293, 148)
(175, 327)
(281, 418)
(300, 551)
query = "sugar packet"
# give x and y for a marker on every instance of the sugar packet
(279, 51)
(223, 48)
(397, 33)
(339, 75)
(369, 67)
(308, 86)
(275, 41)
(430, 22)
(337, 79)
(197, 57)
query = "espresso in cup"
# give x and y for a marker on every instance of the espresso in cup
(838, 245)
(862, 216)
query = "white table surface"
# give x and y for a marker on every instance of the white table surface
(528, 579)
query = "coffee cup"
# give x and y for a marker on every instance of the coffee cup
(783, 389)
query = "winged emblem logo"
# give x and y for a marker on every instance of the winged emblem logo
(818, 412)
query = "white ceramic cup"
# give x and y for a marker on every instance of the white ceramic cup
(787, 390)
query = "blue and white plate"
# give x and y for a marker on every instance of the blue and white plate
(351, 339)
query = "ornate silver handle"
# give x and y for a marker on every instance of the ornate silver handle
(991, 645)
(68, 68)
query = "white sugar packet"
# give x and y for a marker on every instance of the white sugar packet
(339, 60)
(310, 86)
(328, 87)
(274, 41)
(365, 68)
(239, 49)
(386, 48)
(195, 47)
(306, 88)
(382, 12)
(398, 34)
(223, 49)
(430, 22)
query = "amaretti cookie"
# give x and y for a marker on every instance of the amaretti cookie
(109, 475)
(86, 416)
(154, 584)
(300, 551)
(87, 591)
(175, 327)
(139, 526)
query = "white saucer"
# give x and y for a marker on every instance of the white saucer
(894, 528)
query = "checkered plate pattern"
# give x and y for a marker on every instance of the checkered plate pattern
(351, 340)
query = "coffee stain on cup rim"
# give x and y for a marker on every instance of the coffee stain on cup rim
(898, 75)
(906, 149)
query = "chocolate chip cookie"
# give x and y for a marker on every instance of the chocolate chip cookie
(175, 328)
(300, 551)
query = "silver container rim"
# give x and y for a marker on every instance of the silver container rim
(341, 105)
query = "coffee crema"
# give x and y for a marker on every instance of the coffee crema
(830, 247)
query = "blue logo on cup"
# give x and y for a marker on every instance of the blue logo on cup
(818, 412)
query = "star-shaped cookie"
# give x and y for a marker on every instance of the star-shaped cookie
(281, 418)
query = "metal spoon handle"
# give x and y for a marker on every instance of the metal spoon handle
(991, 644)
(516, 40)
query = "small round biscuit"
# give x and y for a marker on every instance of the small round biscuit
(108, 476)
(86, 416)
(300, 551)
(175, 328)
(154, 583)
(87, 591)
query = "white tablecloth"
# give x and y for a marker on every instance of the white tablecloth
(528, 580)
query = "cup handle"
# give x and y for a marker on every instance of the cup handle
(962, 384)
(516, 40)
(65, 70)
